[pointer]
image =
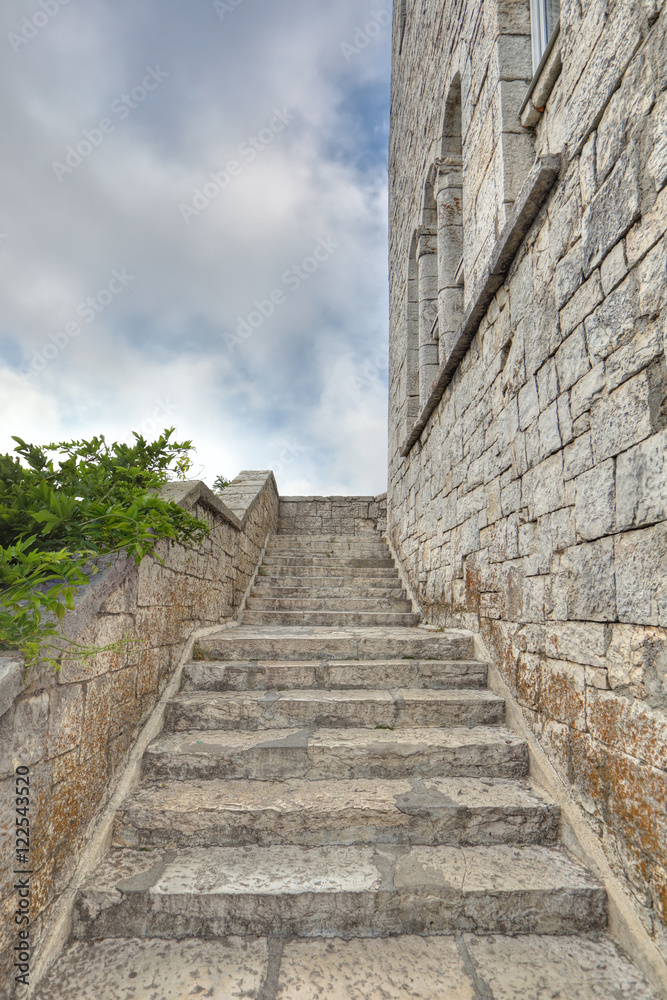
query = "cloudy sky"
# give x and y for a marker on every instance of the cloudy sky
(193, 230)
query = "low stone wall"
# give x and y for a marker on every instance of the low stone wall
(74, 730)
(333, 515)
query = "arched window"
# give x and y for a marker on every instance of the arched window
(449, 195)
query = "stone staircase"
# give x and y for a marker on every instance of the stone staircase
(336, 808)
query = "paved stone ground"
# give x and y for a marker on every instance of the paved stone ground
(338, 812)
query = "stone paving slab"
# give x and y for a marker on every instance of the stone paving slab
(314, 813)
(210, 675)
(483, 751)
(154, 969)
(207, 710)
(346, 891)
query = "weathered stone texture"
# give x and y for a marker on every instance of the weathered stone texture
(533, 504)
(75, 729)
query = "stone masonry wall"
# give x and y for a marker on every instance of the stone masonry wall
(75, 729)
(332, 515)
(533, 507)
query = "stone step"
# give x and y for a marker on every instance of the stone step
(385, 576)
(354, 562)
(481, 752)
(372, 548)
(374, 538)
(315, 813)
(263, 602)
(294, 891)
(277, 588)
(210, 675)
(206, 710)
(495, 967)
(289, 643)
(340, 618)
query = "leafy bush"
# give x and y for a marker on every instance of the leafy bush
(219, 484)
(59, 514)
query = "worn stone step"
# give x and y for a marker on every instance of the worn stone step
(314, 813)
(482, 752)
(364, 618)
(354, 562)
(365, 549)
(210, 675)
(207, 710)
(276, 588)
(306, 573)
(298, 643)
(295, 891)
(264, 602)
(495, 967)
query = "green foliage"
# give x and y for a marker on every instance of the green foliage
(59, 514)
(220, 483)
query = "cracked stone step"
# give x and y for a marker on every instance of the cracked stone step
(367, 618)
(267, 602)
(206, 710)
(276, 588)
(290, 890)
(285, 643)
(450, 811)
(209, 675)
(482, 752)
(326, 572)
(496, 967)
(354, 562)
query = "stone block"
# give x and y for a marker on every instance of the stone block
(594, 510)
(547, 383)
(628, 726)
(591, 591)
(565, 419)
(569, 274)
(614, 322)
(640, 567)
(529, 405)
(622, 418)
(587, 391)
(641, 483)
(572, 359)
(614, 209)
(582, 303)
(580, 642)
(542, 487)
(550, 440)
(562, 693)
(651, 278)
(614, 267)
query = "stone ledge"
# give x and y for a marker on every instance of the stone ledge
(535, 189)
(240, 495)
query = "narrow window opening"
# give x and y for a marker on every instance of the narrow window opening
(544, 19)
(427, 260)
(412, 359)
(402, 17)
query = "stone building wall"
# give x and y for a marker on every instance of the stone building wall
(75, 729)
(332, 515)
(528, 473)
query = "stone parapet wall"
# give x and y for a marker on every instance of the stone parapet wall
(533, 505)
(333, 515)
(75, 729)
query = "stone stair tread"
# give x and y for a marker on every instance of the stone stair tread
(343, 811)
(270, 602)
(340, 752)
(319, 891)
(582, 967)
(331, 617)
(356, 707)
(302, 674)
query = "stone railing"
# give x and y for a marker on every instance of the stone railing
(75, 729)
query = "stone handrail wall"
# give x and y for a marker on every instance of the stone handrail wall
(75, 729)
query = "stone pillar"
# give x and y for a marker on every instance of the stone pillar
(449, 194)
(427, 262)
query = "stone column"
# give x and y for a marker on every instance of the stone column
(427, 262)
(449, 194)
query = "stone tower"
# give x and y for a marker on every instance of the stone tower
(527, 422)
